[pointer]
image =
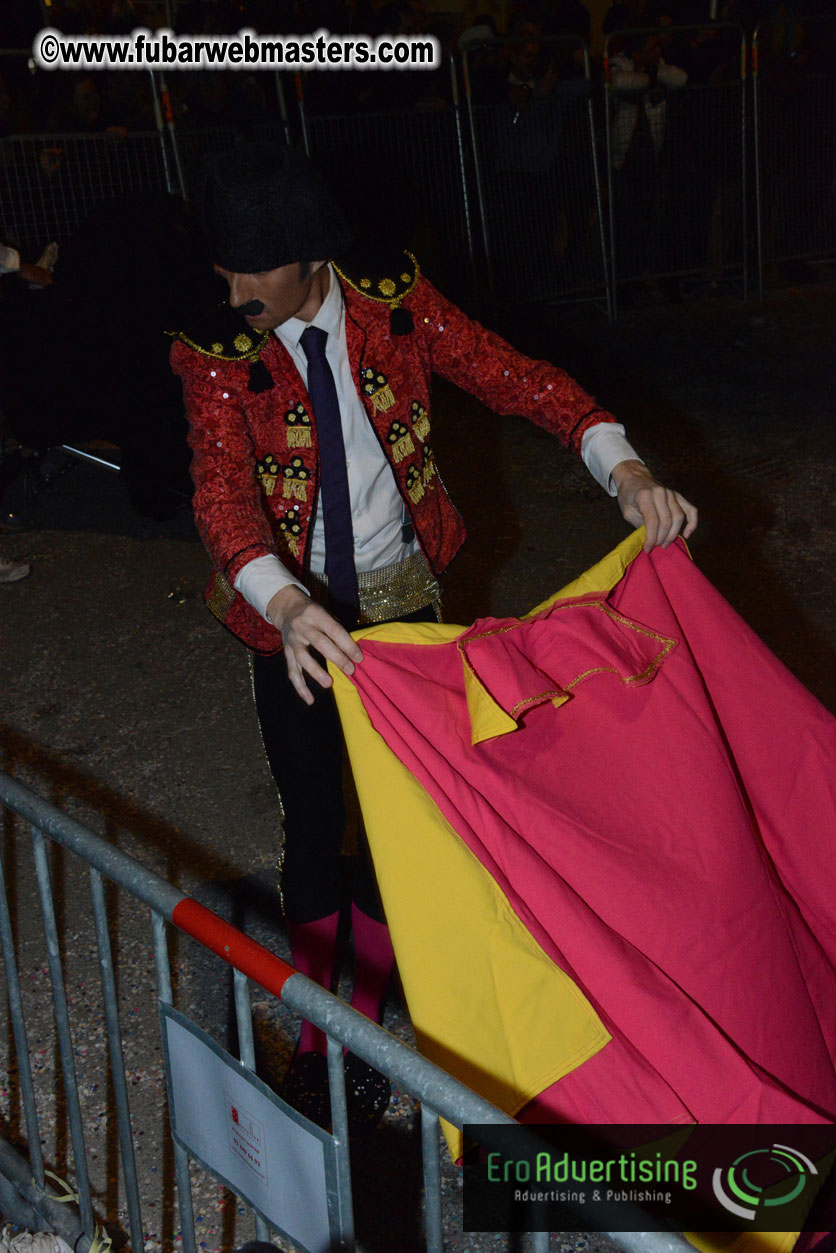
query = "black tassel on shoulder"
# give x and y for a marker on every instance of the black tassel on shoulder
(400, 321)
(261, 380)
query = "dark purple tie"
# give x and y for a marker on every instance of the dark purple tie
(336, 505)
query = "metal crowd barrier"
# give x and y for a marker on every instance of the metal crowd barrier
(534, 164)
(192, 147)
(794, 87)
(51, 183)
(676, 154)
(196, 146)
(416, 155)
(278, 130)
(510, 198)
(25, 1190)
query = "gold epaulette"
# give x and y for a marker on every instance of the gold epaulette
(220, 335)
(389, 288)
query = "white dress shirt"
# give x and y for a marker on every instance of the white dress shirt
(625, 77)
(376, 505)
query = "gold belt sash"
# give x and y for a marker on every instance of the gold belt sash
(389, 592)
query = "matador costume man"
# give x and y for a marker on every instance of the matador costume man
(319, 500)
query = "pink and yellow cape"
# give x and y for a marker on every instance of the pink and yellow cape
(603, 835)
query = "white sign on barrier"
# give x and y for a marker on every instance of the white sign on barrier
(232, 1123)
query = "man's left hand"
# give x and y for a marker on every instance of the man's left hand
(644, 502)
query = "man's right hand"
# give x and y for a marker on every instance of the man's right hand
(305, 625)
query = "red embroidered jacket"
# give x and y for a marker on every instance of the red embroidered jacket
(256, 467)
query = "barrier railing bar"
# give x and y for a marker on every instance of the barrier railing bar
(244, 1019)
(303, 117)
(12, 1203)
(282, 107)
(165, 993)
(339, 1130)
(62, 1025)
(21, 1039)
(112, 862)
(246, 1051)
(602, 233)
(405, 1067)
(451, 1098)
(610, 181)
(457, 117)
(117, 1059)
(477, 170)
(432, 1180)
(75, 204)
(165, 124)
(648, 1241)
(343, 1026)
(160, 124)
(52, 1214)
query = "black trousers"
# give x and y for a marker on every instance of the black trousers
(304, 747)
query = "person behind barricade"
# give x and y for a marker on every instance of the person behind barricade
(703, 179)
(342, 89)
(319, 500)
(404, 89)
(641, 68)
(485, 65)
(531, 74)
(536, 207)
(568, 17)
(82, 105)
(569, 21)
(797, 142)
(129, 100)
(37, 274)
(640, 79)
(674, 143)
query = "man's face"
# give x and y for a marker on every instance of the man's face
(270, 297)
(524, 57)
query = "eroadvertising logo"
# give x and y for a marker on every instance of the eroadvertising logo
(748, 1194)
(693, 1177)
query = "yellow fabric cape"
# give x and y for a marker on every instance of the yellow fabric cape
(504, 1019)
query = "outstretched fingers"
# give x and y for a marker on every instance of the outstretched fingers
(312, 635)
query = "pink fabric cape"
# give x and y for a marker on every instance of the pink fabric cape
(666, 834)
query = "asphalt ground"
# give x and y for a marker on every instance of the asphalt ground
(124, 703)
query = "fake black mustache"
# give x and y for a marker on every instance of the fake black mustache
(251, 309)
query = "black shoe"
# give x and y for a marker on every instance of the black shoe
(305, 1087)
(367, 1094)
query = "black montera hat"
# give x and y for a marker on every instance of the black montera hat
(264, 205)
